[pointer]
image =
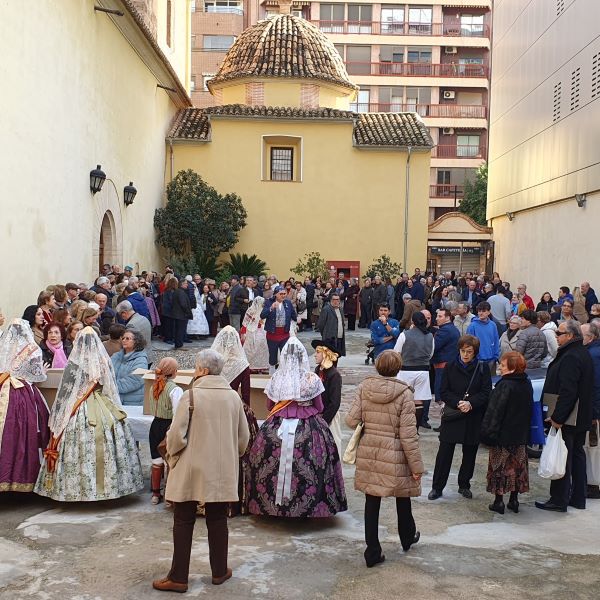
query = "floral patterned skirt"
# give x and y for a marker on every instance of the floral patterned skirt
(317, 485)
(508, 470)
(97, 456)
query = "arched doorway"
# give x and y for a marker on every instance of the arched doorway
(108, 241)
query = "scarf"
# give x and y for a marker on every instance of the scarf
(59, 360)
(166, 369)
(510, 333)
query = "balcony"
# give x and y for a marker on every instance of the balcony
(443, 190)
(459, 151)
(447, 29)
(450, 111)
(417, 69)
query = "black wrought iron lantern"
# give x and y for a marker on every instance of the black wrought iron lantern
(97, 179)
(129, 193)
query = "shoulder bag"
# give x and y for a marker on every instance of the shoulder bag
(450, 413)
(350, 453)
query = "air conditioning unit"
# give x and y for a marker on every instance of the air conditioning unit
(447, 131)
(449, 95)
(450, 50)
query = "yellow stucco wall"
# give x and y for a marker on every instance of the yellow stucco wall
(349, 205)
(75, 94)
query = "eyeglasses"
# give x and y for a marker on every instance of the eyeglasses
(559, 333)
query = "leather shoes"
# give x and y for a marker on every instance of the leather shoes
(497, 507)
(414, 541)
(223, 579)
(437, 429)
(549, 505)
(377, 562)
(425, 425)
(465, 492)
(434, 495)
(166, 585)
(577, 506)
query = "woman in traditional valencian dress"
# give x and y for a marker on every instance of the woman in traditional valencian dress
(23, 411)
(198, 325)
(295, 467)
(92, 453)
(237, 373)
(255, 337)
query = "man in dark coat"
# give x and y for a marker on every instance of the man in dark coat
(590, 297)
(350, 297)
(181, 312)
(237, 295)
(331, 325)
(379, 296)
(365, 298)
(571, 377)
(309, 286)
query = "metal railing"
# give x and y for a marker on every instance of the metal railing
(425, 110)
(459, 151)
(445, 190)
(403, 69)
(447, 29)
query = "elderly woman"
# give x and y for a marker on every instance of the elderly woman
(166, 395)
(508, 340)
(505, 428)
(208, 434)
(55, 346)
(295, 468)
(466, 387)
(131, 357)
(35, 317)
(254, 337)
(388, 459)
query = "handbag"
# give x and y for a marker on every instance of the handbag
(592, 455)
(162, 446)
(449, 413)
(350, 453)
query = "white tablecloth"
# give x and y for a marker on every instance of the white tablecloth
(139, 422)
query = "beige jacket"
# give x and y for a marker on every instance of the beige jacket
(388, 452)
(204, 461)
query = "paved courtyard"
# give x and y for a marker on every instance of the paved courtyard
(112, 550)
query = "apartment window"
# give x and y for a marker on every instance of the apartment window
(332, 18)
(420, 61)
(192, 84)
(392, 19)
(391, 59)
(217, 42)
(282, 164)
(418, 100)
(282, 158)
(223, 6)
(443, 177)
(362, 101)
(359, 18)
(471, 25)
(359, 60)
(419, 20)
(169, 23)
(193, 6)
(340, 49)
(391, 99)
(467, 146)
(471, 67)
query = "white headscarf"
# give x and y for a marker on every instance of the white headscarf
(228, 344)
(88, 362)
(252, 316)
(293, 379)
(20, 355)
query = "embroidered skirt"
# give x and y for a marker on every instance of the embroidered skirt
(508, 470)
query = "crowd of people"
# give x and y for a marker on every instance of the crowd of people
(206, 442)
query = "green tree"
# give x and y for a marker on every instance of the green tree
(242, 264)
(311, 265)
(384, 267)
(197, 223)
(475, 199)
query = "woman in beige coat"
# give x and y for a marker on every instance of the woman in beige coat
(204, 444)
(388, 459)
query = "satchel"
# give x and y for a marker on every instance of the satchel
(162, 446)
(449, 413)
(551, 400)
(350, 452)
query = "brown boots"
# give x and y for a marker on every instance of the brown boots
(156, 475)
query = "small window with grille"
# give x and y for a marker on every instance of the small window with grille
(556, 101)
(595, 75)
(575, 87)
(282, 164)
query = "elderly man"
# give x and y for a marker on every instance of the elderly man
(570, 380)
(531, 342)
(591, 340)
(463, 317)
(208, 435)
(590, 297)
(331, 325)
(278, 313)
(133, 320)
(470, 295)
(106, 315)
(527, 300)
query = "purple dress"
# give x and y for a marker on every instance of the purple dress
(25, 435)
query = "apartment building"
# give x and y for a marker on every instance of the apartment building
(429, 56)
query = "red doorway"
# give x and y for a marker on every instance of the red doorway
(350, 268)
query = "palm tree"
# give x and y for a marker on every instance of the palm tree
(242, 264)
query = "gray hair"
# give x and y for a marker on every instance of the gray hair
(211, 360)
(574, 328)
(592, 330)
(139, 342)
(133, 279)
(451, 305)
(102, 280)
(406, 297)
(124, 306)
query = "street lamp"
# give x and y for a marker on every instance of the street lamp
(129, 193)
(97, 179)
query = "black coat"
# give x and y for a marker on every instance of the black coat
(571, 376)
(379, 295)
(237, 295)
(181, 308)
(48, 355)
(508, 417)
(350, 298)
(455, 381)
(332, 396)
(327, 325)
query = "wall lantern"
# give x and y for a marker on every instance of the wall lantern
(129, 193)
(581, 199)
(97, 179)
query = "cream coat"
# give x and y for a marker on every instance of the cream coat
(388, 452)
(204, 461)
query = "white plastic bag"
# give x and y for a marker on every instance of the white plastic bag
(592, 457)
(553, 461)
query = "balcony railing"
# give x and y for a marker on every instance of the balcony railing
(458, 151)
(444, 190)
(417, 69)
(453, 111)
(448, 29)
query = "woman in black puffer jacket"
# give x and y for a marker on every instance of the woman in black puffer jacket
(505, 428)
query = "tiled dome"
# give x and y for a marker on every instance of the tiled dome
(283, 46)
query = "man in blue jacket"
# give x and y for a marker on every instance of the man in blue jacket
(278, 313)
(470, 295)
(384, 331)
(485, 330)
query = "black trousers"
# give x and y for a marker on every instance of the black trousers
(406, 526)
(184, 519)
(572, 487)
(179, 327)
(351, 322)
(274, 348)
(443, 464)
(365, 316)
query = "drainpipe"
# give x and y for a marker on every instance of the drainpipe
(407, 195)
(172, 159)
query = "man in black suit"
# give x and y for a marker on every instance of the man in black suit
(470, 295)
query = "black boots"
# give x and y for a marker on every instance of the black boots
(497, 505)
(513, 503)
